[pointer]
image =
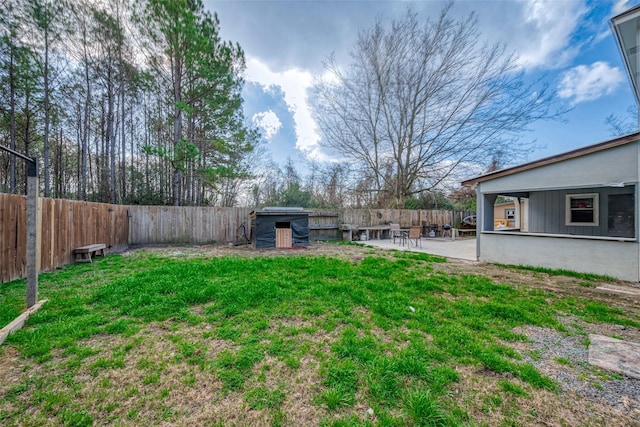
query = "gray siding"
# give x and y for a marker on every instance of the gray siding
(547, 211)
(618, 164)
(612, 258)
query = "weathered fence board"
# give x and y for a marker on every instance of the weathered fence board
(324, 226)
(64, 225)
(406, 218)
(196, 225)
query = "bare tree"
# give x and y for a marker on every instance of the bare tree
(330, 184)
(622, 125)
(422, 99)
(45, 16)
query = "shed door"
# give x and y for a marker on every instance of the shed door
(283, 235)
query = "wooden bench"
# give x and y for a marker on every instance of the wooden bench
(463, 231)
(84, 253)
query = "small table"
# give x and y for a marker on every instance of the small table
(377, 231)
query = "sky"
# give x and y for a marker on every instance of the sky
(566, 43)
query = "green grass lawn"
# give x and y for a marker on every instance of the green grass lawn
(292, 340)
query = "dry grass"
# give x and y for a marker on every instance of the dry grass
(171, 372)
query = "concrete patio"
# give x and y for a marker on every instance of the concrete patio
(461, 248)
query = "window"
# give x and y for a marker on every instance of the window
(510, 214)
(582, 209)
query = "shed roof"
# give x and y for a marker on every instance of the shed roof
(590, 149)
(277, 211)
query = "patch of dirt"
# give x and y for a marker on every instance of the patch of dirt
(301, 387)
(629, 302)
(345, 252)
(9, 369)
(480, 394)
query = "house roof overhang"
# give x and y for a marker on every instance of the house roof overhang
(591, 149)
(626, 28)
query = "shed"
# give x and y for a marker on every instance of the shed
(576, 211)
(279, 227)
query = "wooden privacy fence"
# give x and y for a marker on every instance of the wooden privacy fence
(405, 217)
(199, 225)
(324, 226)
(64, 225)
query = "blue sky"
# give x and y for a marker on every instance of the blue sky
(568, 42)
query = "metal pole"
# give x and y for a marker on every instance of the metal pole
(32, 232)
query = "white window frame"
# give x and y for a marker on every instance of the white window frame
(595, 208)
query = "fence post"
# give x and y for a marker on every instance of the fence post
(32, 233)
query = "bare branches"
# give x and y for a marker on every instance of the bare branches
(425, 99)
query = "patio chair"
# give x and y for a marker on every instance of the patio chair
(414, 236)
(395, 232)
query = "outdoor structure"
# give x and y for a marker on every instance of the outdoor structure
(576, 211)
(277, 227)
(504, 214)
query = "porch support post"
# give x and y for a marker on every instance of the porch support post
(488, 200)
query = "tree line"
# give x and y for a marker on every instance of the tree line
(122, 101)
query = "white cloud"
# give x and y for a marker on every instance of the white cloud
(269, 122)
(294, 84)
(544, 35)
(620, 6)
(589, 82)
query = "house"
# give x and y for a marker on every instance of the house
(279, 227)
(575, 211)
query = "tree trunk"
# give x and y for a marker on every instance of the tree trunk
(85, 142)
(177, 127)
(12, 120)
(27, 126)
(123, 147)
(111, 140)
(47, 177)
